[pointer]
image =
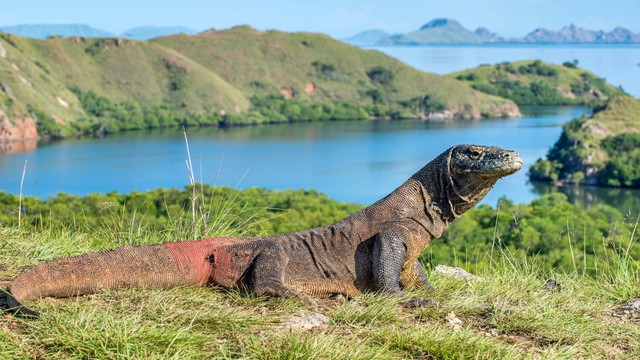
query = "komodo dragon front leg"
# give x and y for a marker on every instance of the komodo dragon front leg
(395, 264)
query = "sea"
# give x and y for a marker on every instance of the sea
(355, 161)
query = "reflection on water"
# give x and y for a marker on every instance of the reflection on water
(17, 147)
(625, 200)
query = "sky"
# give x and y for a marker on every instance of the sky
(338, 18)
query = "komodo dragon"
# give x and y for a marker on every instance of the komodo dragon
(374, 249)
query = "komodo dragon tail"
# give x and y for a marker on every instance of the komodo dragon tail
(157, 266)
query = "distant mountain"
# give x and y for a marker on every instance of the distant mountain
(576, 35)
(43, 31)
(150, 32)
(369, 37)
(449, 31)
(489, 37)
(437, 31)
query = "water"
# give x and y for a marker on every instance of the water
(351, 161)
(619, 64)
(358, 161)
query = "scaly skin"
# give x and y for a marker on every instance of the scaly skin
(374, 249)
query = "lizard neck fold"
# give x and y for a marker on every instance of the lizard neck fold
(447, 195)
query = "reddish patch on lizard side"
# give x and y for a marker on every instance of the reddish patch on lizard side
(220, 261)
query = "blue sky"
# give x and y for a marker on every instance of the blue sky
(338, 18)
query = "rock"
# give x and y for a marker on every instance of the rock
(455, 273)
(306, 321)
(7, 90)
(3, 52)
(454, 322)
(632, 305)
(62, 102)
(439, 116)
(552, 285)
(20, 129)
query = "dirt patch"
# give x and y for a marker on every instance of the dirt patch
(58, 119)
(532, 342)
(3, 52)
(62, 102)
(310, 88)
(627, 312)
(288, 93)
(24, 80)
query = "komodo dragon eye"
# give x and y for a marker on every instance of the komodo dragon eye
(474, 154)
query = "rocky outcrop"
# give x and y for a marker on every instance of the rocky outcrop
(501, 111)
(21, 129)
(3, 51)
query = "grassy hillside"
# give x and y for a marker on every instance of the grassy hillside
(601, 150)
(538, 83)
(512, 311)
(126, 70)
(319, 68)
(221, 72)
(25, 81)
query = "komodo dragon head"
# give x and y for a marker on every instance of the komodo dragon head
(464, 174)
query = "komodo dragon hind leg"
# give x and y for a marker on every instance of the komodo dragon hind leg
(268, 274)
(389, 255)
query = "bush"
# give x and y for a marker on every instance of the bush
(381, 75)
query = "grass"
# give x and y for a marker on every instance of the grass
(509, 314)
(265, 62)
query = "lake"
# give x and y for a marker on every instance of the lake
(358, 161)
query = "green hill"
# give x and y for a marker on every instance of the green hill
(601, 150)
(122, 70)
(216, 77)
(534, 82)
(319, 68)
